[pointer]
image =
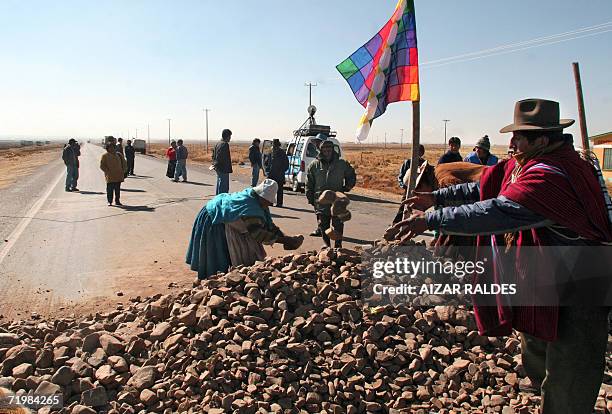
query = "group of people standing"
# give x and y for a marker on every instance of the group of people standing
(177, 155)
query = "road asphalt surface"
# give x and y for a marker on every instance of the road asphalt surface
(68, 252)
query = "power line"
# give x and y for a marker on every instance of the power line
(503, 50)
(515, 45)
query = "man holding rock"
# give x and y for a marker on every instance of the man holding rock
(329, 172)
(544, 198)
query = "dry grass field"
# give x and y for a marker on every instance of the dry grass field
(18, 162)
(377, 167)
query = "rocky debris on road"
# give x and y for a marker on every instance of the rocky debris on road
(289, 334)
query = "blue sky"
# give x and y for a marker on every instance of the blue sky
(90, 69)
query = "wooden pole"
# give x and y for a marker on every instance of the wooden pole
(416, 138)
(581, 113)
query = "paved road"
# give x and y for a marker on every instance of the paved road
(68, 248)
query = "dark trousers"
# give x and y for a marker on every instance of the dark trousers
(130, 166)
(570, 369)
(170, 169)
(325, 221)
(113, 188)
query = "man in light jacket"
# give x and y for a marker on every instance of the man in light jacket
(114, 166)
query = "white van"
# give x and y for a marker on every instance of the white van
(303, 149)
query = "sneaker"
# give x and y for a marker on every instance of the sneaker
(117, 203)
(74, 189)
(110, 204)
(184, 181)
(68, 190)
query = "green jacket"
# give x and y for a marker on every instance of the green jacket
(336, 175)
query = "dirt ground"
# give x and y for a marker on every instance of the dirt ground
(377, 167)
(19, 162)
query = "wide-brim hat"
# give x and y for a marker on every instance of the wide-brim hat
(267, 190)
(537, 115)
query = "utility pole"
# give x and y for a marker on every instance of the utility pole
(385, 140)
(136, 133)
(206, 111)
(169, 119)
(581, 112)
(310, 85)
(401, 137)
(445, 121)
(148, 139)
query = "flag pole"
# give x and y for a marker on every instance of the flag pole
(416, 138)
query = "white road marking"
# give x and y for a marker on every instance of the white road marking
(14, 236)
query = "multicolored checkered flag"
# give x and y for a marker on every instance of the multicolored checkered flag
(385, 69)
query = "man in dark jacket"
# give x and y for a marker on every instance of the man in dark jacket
(71, 160)
(181, 161)
(222, 161)
(130, 155)
(255, 159)
(452, 155)
(328, 172)
(429, 176)
(279, 162)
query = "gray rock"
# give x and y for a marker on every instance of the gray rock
(95, 397)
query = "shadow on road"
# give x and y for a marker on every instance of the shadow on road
(303, 210)
(196, 183)
(366, 199)
(357, 241)
(133, 190)
(139, 176)
(137, 208)
(280, 216)
(91, 192)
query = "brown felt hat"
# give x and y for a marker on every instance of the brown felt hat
(537, 115)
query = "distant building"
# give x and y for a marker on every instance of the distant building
(602, 147)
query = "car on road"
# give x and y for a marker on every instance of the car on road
(304, 148)
(140, 145)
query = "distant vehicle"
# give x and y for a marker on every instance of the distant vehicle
(304, 148)
(140, 145)
(108, 140)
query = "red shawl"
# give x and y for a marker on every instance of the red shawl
(559, 186)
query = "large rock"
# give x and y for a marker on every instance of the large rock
(143, 378)
(110, 344)
(95, 397)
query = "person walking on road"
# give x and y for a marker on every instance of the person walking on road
(171, 155)
(114, 166)
(181, 161)
(482, 153)
(328, 172)
(534, 206)
(452, 155)
(71, 160)
(130, 155)
(222, 161)
(279, 162)
(255, 159)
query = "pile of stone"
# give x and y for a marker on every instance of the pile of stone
(285, 335)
